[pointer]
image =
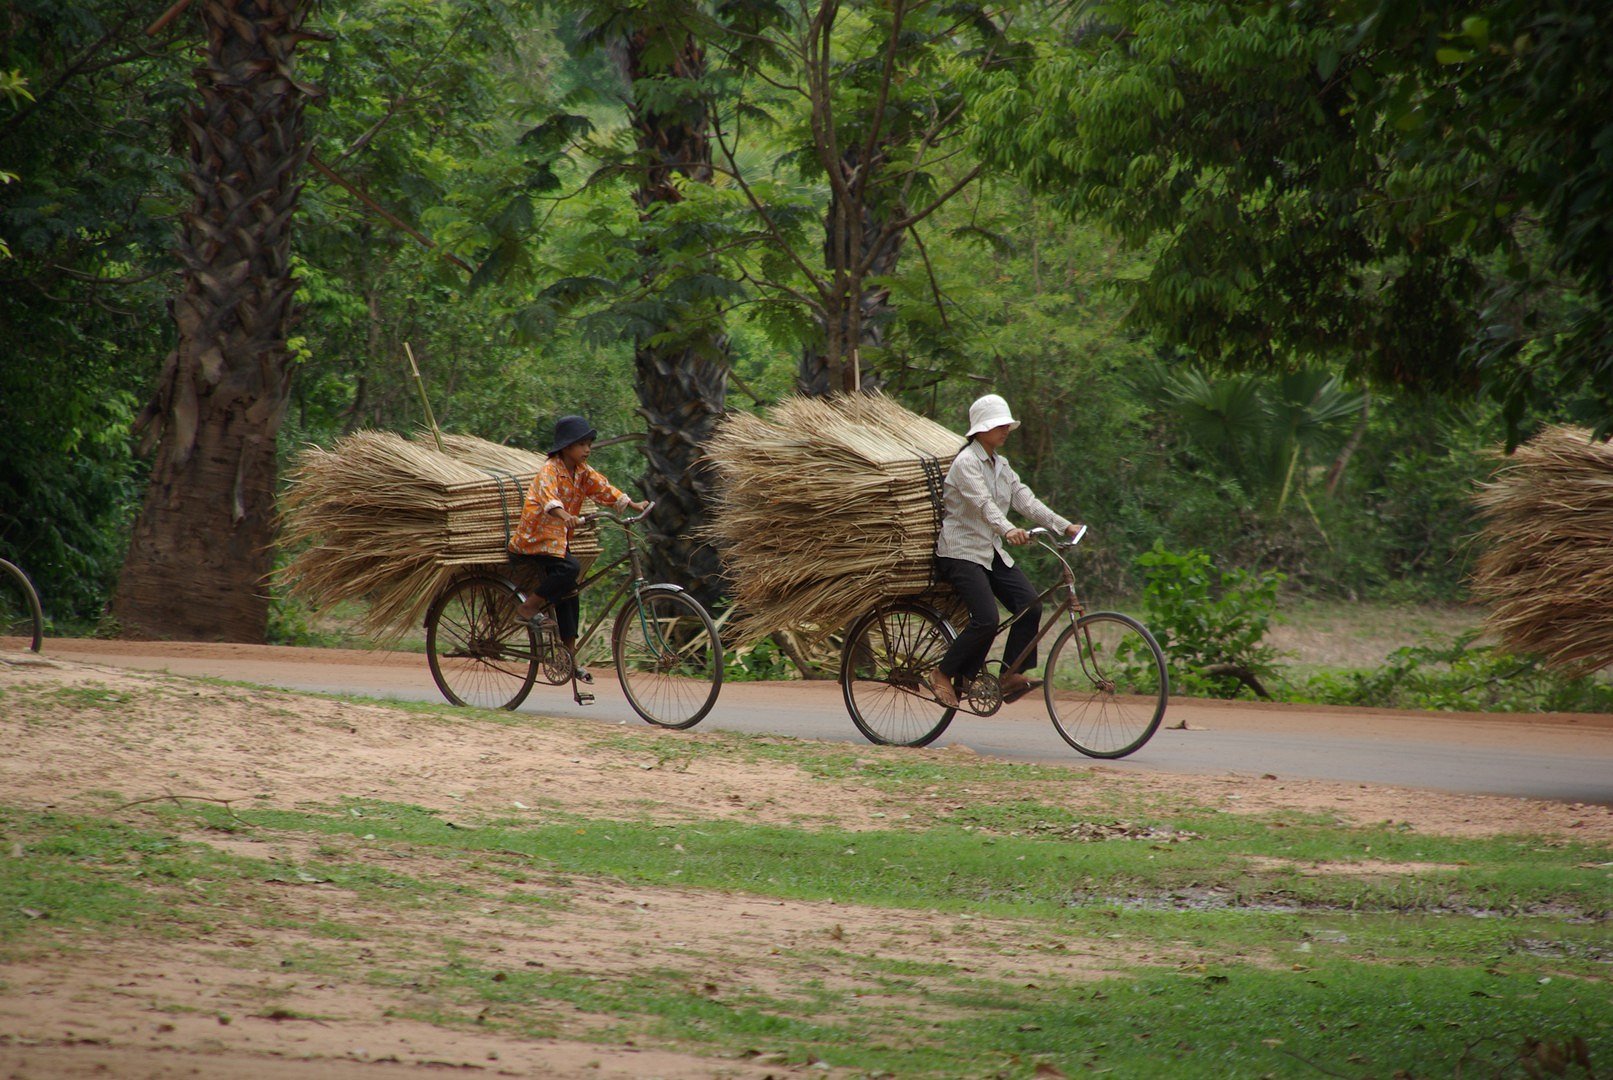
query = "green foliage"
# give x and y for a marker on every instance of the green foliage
(1498, 102)
(1460, 676)
(81, 295)
(1269, 431)
(1204, 616)
(1284, 183)
(1402, 521)
(1344, 183)
(756, 663)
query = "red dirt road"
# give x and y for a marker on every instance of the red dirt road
(1561, 757)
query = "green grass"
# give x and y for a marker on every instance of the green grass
(1340, 978)
(1216, 950)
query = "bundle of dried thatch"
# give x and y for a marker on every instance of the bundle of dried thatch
(1547, 563)
(826, 506)
(392, 521)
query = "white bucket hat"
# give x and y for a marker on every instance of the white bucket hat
(989, 412)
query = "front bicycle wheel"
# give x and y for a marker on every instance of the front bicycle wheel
(668, 656)
(20, 614)
(884, 674)
(1106, 685)
(481, 653)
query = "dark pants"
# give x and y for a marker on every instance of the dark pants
(980, 589)
(556, 578)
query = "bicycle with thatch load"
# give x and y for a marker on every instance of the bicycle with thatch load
(664, 643)
(870, 565)
(416, 532)
(20, 614)
(1105, 681)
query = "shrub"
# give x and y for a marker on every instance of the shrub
(756, 663)
(1211, 623)
(1459, 676)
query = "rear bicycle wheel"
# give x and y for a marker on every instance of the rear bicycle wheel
(1106, 685)
(481, 653)
(884, 674)
(668, 656)
(20, 614)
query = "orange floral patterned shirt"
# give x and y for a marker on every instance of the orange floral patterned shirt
(542, 533)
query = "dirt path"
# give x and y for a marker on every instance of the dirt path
(90, 736)
(1559, 757)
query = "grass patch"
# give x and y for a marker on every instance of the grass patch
(1222, 982)
(1006, 921)
(1187, 863)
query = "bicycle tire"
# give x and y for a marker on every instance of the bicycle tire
(884, 674)
(1106, 685)
(480, 653)
(20, 613)
(669, 658)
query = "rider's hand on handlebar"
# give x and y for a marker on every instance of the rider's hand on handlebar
(1017, 536)
(1075, 530)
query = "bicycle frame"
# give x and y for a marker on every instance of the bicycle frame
(635, 581)
(1070, 604)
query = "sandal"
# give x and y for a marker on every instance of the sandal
(583, 675)
(1020, 689)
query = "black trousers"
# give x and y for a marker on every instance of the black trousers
(556, 577)
(980, 589)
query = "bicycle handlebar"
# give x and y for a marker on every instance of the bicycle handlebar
(619, 519)
(1070, 542)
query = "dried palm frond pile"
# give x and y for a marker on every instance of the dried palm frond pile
(391, 521)
(826, 506)
(1547, 563)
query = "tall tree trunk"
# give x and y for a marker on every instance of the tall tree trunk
(682, 385)
(856, 247)
(202, 546)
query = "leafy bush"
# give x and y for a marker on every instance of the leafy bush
(756, 663)
(1459, 676)
(1211, 623)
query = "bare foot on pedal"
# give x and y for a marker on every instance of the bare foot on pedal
(941, 687)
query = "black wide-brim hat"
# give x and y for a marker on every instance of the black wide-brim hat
(571, 429)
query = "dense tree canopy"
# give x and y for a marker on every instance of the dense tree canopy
(1264, 279)
(1412, 191)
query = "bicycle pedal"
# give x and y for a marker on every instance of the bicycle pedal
(583, 698)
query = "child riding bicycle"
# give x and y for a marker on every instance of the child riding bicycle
(552, 509)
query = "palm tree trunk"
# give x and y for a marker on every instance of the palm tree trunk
(202, 546)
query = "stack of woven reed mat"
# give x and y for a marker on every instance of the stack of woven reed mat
(1546, 550)
(826, 507)
(390, 521)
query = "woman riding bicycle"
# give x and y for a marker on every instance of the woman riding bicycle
(981, 487)
(552, 509)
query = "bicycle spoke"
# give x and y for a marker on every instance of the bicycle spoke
(1106, 687)
(480, 653)
(668, 657)
(884, 673)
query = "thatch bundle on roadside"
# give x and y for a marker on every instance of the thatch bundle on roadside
(826, 506)
(1547, 561)
(391, 521)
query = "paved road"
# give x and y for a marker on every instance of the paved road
(1558, 757)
